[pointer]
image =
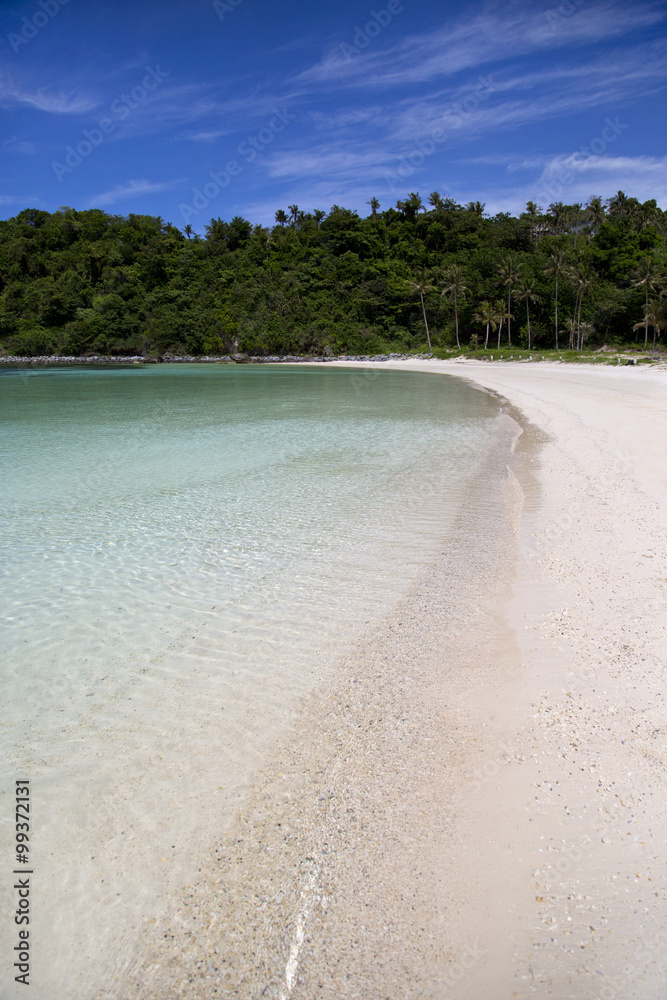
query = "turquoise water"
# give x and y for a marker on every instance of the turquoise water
(187, 549)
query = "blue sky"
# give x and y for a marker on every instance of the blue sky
(192, 110)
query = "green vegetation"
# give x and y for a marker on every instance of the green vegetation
(404, 279)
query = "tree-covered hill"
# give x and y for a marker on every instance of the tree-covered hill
(76, 282)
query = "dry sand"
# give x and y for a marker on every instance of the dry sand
(476, 808)
(582, 823)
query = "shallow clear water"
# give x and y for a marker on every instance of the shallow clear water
(186, 550)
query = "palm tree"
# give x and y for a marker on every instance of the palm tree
(318, 215)
(571, 329)
(508, 275)
(554, 268)
(411, 206)
(501, 315)
(655, 315)
(486, 315)
(537, 225)
(557, 211)
(618, 204)
(435, 200)
(584, 328)
(525, 292)
(649, 316)
(477, 207)
(635, 213)
(649, 213)
(646, 274)
(375, 204)
(457, 289)
(421, 285)
(585, 278)
(582, 277)
(216, 229)
(575, 220)
(659, 320)
(188, 230)
(294, 214)
(281, 217)
(596, 213)
(660, 224)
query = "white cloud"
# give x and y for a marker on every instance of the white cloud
(641, 177)
(44, 99)
(520, 99)
(345, 117)
(205, 135)
(212, 116)
(326, 162)
(131, 189)
(365, 142)
(15, 145)
(476, 40)
(574, 177)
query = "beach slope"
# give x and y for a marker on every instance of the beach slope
(474, 806)
(563, 838)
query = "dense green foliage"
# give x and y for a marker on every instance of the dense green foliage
(75, 282)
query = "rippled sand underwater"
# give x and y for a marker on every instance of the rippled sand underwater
(188, 549)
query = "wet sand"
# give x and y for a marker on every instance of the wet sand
(475, 808)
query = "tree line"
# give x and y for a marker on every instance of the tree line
(406, 277)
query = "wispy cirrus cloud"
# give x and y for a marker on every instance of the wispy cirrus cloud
(519, 99)
(131, 189)
(22, 146)
(210, 115)
(353, 122)
(327, 160)
(204, 135)
(643, 177)
(476, 40)
(347, 117)
(392, 130)
(44, 98)
(581, 176)
(15, 199)
(170, 106)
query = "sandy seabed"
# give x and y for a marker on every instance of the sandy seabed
(476, 807)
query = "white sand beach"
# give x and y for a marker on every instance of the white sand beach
(476, 809)
(565, 845)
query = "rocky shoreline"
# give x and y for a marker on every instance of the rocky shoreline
(239, 359)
